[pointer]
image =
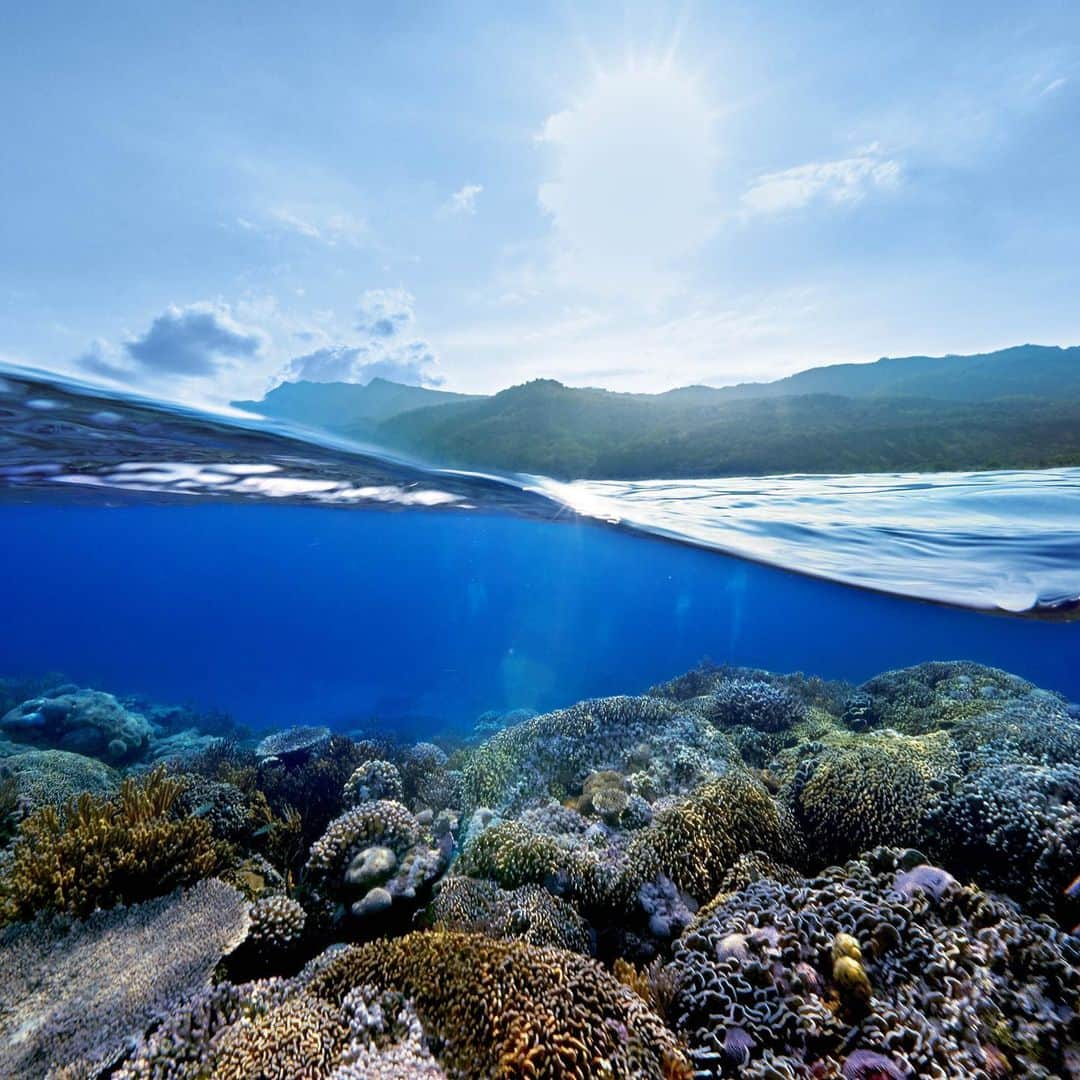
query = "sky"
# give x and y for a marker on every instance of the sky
(203, 199)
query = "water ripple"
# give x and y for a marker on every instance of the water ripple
(1004, 541)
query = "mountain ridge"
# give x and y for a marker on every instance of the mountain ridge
(1013, 408)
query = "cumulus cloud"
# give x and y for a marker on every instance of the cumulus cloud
(199, 340)
(411, 363)
(386, 350)
(844, 181)
(195, 340)
(463, 201)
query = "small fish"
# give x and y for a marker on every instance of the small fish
(1073, 891)
(202, 811)
(263, 831)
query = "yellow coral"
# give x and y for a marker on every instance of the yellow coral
(103, 852)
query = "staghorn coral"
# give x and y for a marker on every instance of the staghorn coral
(528, 913)
(376, 779)
(74, 996)
(82, 721)
(386, 1040)
(852, 792)
(506, 1009)
(857, 962)
(103, 852)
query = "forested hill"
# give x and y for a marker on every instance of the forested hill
(1017, 408)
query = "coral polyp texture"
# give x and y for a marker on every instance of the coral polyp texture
(738, 874)
(74, 997)
(505, 1008)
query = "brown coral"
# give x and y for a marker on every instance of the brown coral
(102, 852)
(506, 1009)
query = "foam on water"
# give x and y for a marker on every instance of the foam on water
(1005, 541)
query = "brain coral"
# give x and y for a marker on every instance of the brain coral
(508, 1009)
(74, 996)
(103, 852)
(959, 982)
(851, 792)
(82, 721)
(528, 913)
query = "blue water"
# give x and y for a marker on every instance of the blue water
(297, 614)
(287, 577)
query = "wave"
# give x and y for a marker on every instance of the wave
(998, 541)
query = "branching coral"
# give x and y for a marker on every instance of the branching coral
(853, 792)
(507, 1009)
(698, 839)
(103, 852)
(372, 857)
(528, 913)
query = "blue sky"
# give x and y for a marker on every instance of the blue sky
(202, 199)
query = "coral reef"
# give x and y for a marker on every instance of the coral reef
(527, 913)
(779, 877)
(86, 722)
(505, 1008)
(102, 852)
(938, 981)
(374, 857)
(74, 996)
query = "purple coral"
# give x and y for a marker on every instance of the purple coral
(869, 1065)
(931, 880)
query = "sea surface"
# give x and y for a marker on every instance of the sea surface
(290, 577)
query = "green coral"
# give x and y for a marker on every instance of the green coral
(512, 854)
(696, 841)
(853, 792)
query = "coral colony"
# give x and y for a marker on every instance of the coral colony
(738, 874)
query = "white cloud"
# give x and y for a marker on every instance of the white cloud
(844, 181)
(1052, 86)
(631, 186)
(463, 201)
(386, 349)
